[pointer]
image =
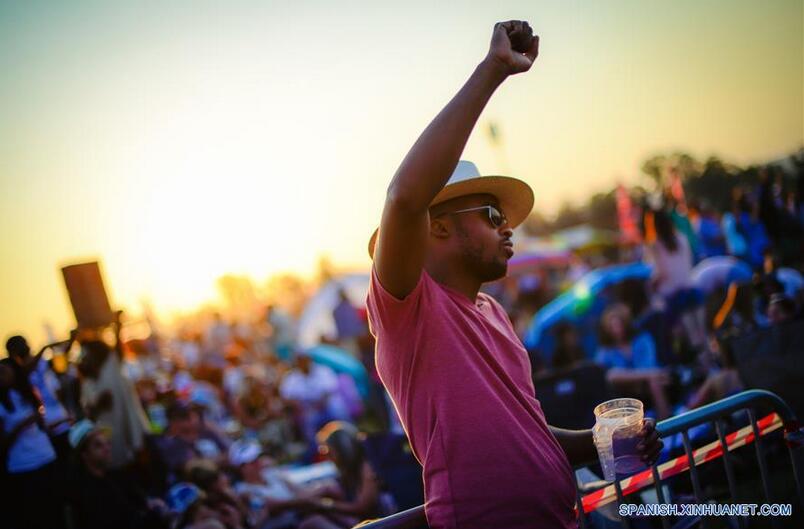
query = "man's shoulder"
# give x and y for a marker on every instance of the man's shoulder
(387, 312)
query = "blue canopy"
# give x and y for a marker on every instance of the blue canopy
(576, 301)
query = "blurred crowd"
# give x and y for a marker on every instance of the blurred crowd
(686, 289)
(224, 424)
(231, 424)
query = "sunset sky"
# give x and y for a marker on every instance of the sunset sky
(179, 141)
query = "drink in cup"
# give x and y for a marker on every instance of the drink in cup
(616, 435)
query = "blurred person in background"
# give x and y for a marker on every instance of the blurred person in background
(672, 261)
(751, 227)
(708, 230)
(781, 309)
(41, 377)
(29, 489)
(265, 416)
(313, 390)
(736, 244)
(283, 331)
(722, 381)
(190, 509)
(217, 339)
(765, 287)
(670, 256)
(274, 501)
(185, 440)
(234, 377)
(630, 359)
(109, 398)
(350, 327)
(781, 224)
(356, 496)
(213, 442)
(100, 497)
(220, 496)
(568, 353)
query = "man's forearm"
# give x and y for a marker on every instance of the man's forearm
(430, 162)
(577, 444)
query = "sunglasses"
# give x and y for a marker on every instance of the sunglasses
(496, 217)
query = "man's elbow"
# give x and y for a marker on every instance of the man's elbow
(405, 202)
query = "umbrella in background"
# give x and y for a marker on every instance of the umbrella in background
(575, 302)
(720, 271)
(529, 260)
(341, 361)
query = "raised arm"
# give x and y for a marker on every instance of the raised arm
(402, 242)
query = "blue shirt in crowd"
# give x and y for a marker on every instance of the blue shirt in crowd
(643, 354)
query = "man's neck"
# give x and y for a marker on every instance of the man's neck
(454, 280)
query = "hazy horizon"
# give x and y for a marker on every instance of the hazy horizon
(180, 142)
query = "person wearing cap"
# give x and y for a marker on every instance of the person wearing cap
(102, 497)
(274, 500)
(189, 506)
(458, 374)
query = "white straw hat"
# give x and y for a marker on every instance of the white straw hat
(514, 195)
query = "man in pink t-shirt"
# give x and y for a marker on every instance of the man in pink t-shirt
(447, 354)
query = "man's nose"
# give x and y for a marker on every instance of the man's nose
(506, 231)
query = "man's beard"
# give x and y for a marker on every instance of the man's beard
(486, 270)
(494, 270)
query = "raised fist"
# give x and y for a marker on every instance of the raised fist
(514, 46)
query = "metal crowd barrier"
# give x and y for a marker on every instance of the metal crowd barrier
(713, 414)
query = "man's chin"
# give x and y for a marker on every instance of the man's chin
(499, 271)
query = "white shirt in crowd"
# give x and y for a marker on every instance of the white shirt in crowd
(320, 383)
(672, 268)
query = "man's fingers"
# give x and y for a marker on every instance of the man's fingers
(653, 455)
(508, 26)
(533, 52)
(648, 442)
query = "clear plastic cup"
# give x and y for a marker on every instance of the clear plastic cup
(616, 435)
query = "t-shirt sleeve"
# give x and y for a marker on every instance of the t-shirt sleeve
(386, 312)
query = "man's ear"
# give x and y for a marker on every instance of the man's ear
(439, 228)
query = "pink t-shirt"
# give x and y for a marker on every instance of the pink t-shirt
(461, 382)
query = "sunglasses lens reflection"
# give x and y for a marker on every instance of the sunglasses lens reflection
(496, 217)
